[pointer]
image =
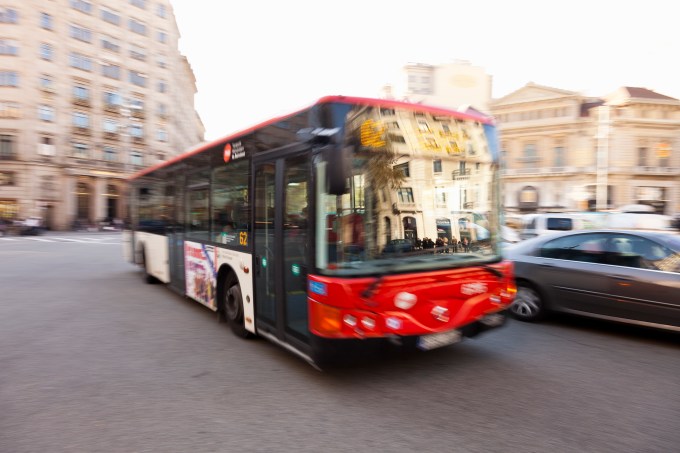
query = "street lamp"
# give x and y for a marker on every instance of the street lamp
(602, 158)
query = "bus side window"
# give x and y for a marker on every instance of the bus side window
(230, 208)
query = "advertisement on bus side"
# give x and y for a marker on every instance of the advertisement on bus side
(200, 272)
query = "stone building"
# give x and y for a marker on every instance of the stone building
(90, 92)
(563, 151)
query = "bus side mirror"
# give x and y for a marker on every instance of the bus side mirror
(338, 161)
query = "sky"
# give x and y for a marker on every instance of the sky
(254, 60)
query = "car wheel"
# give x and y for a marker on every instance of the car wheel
(528, 304)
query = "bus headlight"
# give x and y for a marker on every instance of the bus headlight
(405, 300)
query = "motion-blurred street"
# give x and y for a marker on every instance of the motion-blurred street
(92, 359)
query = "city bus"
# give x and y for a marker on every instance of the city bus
(333, 227)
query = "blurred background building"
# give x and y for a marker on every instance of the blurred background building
(90, 92)
(562, 151)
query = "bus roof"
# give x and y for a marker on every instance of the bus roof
(374, 102)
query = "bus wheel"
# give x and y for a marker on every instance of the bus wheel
(233, 310)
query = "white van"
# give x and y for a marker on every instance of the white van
(537, 224)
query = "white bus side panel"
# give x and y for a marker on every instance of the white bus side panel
(127, 246)
(242, 264)
(156, 254)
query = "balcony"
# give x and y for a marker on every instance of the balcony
(138, 113)
(82, 130)
(647, 170)
(81, 102)
(112, 108)
(459, 175)
(138, 140)
(111, 136)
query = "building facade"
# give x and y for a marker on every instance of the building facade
(563, 151)
(90, 92)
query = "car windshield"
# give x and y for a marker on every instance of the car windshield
(422, 197)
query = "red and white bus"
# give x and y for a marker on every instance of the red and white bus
(349, 221)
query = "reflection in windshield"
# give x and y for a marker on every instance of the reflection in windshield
(422, 195)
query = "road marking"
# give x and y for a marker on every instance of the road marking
(38, 239)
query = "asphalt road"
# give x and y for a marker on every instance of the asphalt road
(94, 360)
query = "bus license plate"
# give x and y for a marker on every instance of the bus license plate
(437, 340)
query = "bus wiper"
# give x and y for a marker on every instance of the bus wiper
(368, 292)
(493, 270)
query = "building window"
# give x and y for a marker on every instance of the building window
(80, 33)
(45, 113)
(440, 196)
(405, 195)
(7, 147)
(111, 71)
(137, 27)
(8, 15)
(530, 155)
(136, 158)
(161, 11)
(437, 166)
(80, 150)
(111, 44)
(162, 36)
(82, 5)
(162, 135)
(642, 156)
(9, 79)
(8, 47)
(111, 98)
(136, 104)
(81, 120)
(136, 130)
(110, 126)
(139, 3)
(137, 78)
(46, 21)
(110, 17)
(46, 52)
(46, 83)
(161, 61)
(162, 86)
(80, 61)
(423, 126)
(110, 154)
(559, 156)
(404, 169)
(137, 53)
(81, 93)
(162, 110)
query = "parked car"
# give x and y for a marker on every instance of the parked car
(398, 246)
(621, 275)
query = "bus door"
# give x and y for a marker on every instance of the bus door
(281, 247)
(175, 232)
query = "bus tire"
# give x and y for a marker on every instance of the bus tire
(233, 309)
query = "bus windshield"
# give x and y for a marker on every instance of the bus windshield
(422, 195)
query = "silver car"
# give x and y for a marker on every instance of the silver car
(627, 276)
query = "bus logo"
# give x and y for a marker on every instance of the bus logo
(227, 152)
